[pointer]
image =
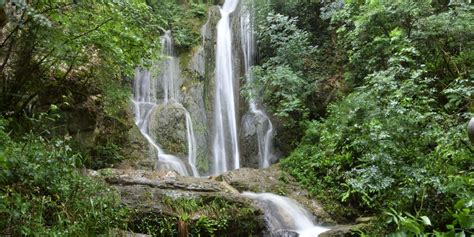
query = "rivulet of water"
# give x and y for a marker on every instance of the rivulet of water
(282, 213)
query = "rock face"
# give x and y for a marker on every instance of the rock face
(197, 82)
(137, 152)
(168, 127)
(248, 138)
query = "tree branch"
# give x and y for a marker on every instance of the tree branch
(89, 31)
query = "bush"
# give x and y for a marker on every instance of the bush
(42, 192)
(389, 145)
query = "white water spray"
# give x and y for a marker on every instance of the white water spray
(225, 145)
(282, 213)
(264, 126)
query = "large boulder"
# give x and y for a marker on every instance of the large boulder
(168, 127)
(137, 152)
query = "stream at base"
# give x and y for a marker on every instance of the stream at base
(285, 216)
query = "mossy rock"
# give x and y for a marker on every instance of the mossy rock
(168, 127)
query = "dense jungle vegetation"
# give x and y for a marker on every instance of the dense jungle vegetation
(66, 66)
(374, 96)
(382, 91)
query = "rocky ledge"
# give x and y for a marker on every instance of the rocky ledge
(164, 202)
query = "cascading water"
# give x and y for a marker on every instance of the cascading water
(225, 146)
(282, 213)
(264, 125)
(145, 100)
(192, 148)
(169, 69)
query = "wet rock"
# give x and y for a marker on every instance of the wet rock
(123, 233)
(194, 103)
(137, 151)
(248, 141)
(365, 219)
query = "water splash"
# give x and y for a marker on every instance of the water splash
(282, 213)
(225, 145)
(264, 125)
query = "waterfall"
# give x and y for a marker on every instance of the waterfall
(264, 126)
(282, 213)
(146, 99)
(169, 69)
(144, 102)
(225, 146)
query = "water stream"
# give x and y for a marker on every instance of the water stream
(285, 214)
(225, 146)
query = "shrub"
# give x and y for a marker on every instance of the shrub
(42, 192)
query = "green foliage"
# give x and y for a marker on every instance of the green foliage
(407, 223)
(294, 62)
(42, 192)
(282, 42)
(397, 141)
(282, 91)
(280, 81)
(463, 218)
(115, 98)
(462, 225)
(184, 21)
(61, 51)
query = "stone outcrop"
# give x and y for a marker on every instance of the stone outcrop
(273, 180)
(248, 138)
(159, 194)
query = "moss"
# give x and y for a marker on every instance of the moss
(202, 162)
